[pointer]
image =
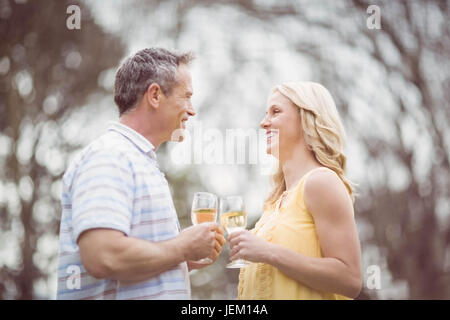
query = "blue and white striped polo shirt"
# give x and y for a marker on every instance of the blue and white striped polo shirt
(115, 183)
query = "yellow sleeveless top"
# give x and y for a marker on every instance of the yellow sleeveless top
(291, 226)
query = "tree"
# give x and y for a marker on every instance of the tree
(410, 55)
(48, 72)
(392, 89)
(412, 223)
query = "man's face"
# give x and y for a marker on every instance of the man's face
(177, 107)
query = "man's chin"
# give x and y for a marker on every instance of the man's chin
(180, 139)
(177, 135)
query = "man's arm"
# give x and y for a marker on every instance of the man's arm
(108, 253)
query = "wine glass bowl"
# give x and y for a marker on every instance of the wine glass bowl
(204, 209)
(233, 218)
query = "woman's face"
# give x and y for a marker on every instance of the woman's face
(282, 125)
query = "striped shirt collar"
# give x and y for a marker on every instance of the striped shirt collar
(135, 137)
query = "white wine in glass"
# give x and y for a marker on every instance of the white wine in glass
(204, 209)
(233, 218)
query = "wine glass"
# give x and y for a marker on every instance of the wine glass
(204, 209)
(233, 218)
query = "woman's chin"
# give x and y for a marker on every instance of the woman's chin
(272, 151)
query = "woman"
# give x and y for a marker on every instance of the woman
(305, 245)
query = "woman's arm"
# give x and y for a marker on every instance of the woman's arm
(339, 271)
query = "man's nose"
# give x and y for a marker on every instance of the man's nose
(191, 112)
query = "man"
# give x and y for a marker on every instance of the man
(119, 236)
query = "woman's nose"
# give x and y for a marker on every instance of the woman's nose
(264, 123)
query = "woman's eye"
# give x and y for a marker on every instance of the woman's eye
(276, 111)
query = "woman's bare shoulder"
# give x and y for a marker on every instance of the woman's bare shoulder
(325, 192)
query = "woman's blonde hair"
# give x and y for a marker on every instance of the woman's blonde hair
(323, 131)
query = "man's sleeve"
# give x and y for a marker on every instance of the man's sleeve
(102, 193)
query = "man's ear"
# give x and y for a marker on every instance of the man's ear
(154, 95)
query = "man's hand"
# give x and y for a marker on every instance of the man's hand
(198, 241)
(219, 242)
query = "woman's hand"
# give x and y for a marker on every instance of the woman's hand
(245, 245)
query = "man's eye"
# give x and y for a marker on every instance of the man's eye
(276, 111)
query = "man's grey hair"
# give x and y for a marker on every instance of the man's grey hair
(139, 71)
